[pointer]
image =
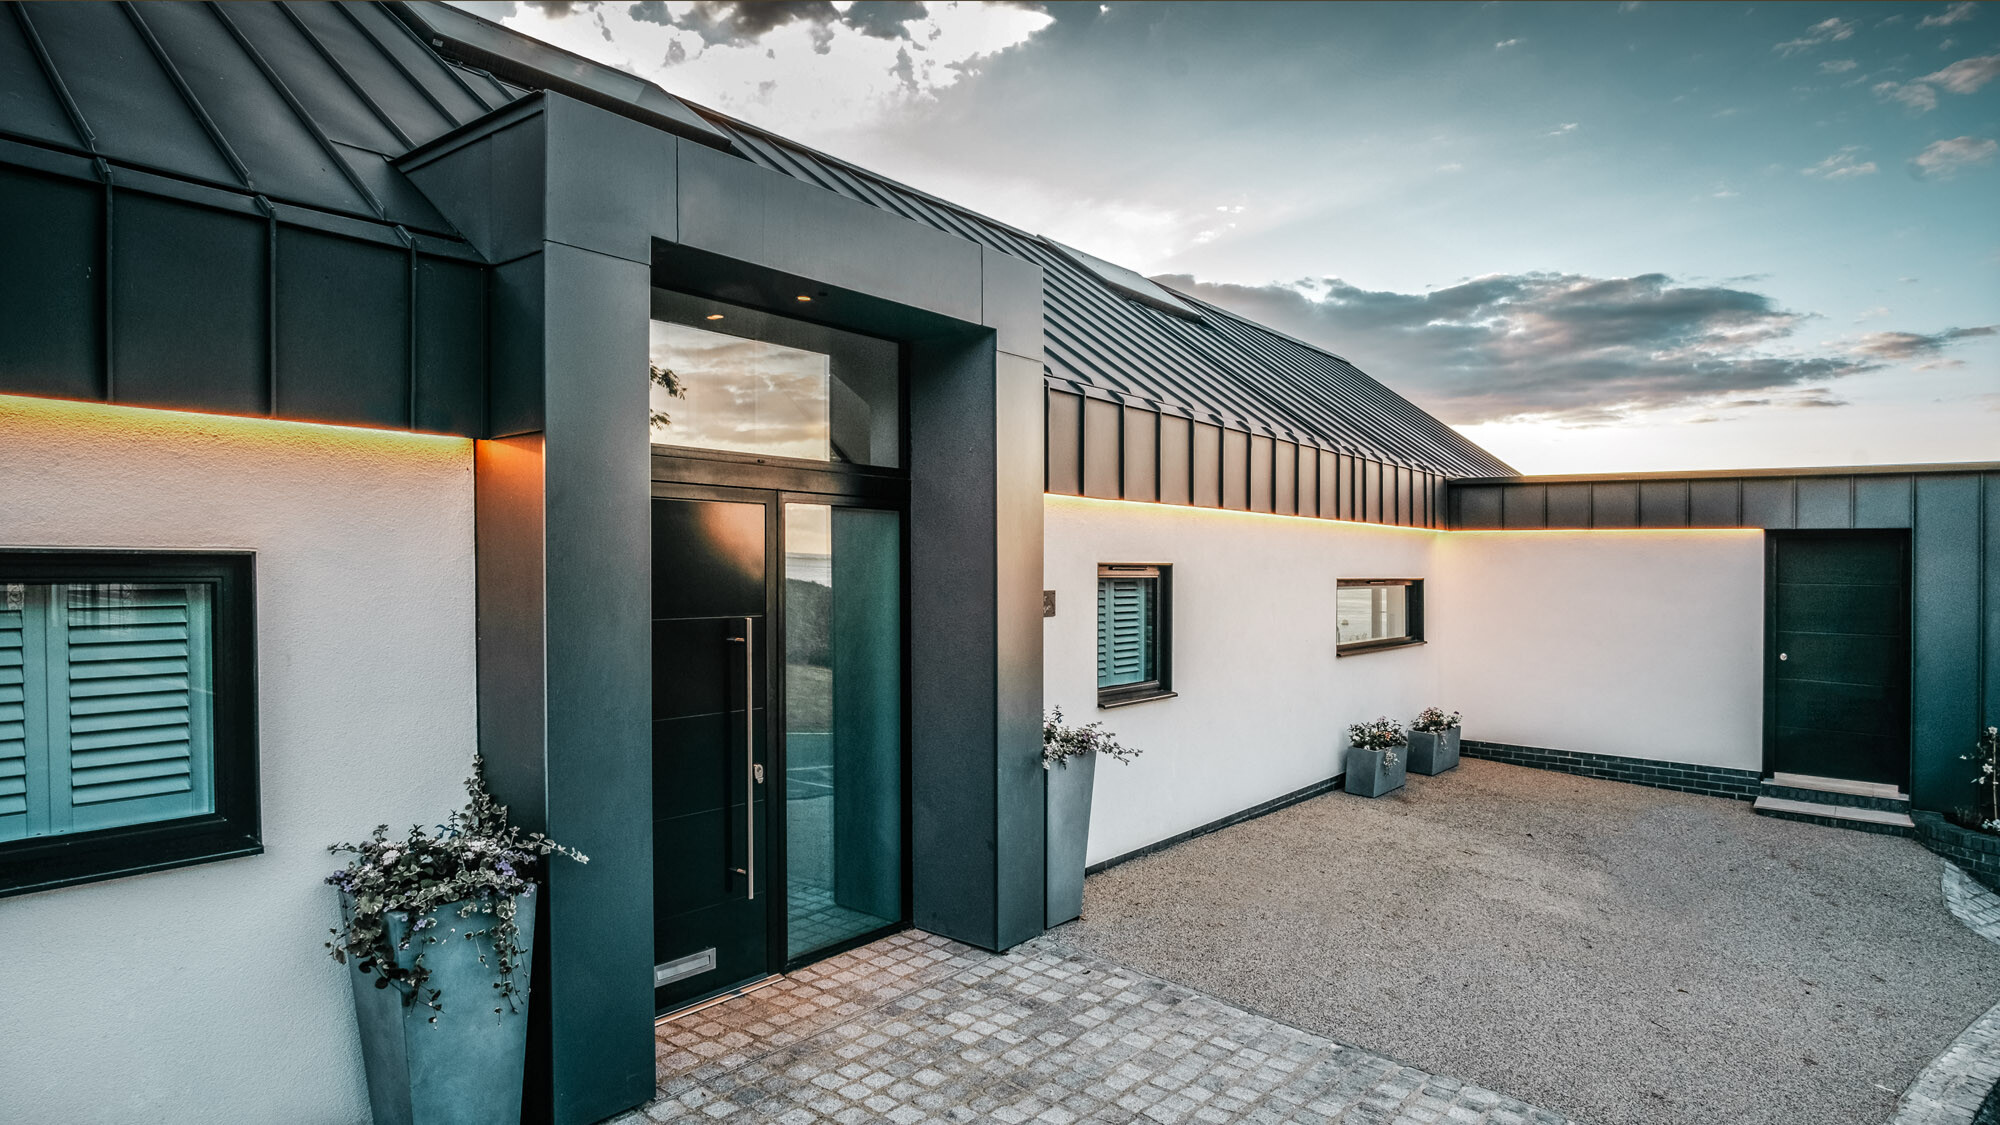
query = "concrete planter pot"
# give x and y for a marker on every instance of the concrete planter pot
(1369, 774)
(466, 1068)
(1066, 811)
(1433, 751)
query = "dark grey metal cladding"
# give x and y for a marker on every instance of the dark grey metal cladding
(216, 224)
(1100, 448)
(1951, 511)
(563, 554)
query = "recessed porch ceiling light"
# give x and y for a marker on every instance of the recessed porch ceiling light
(715, 316)
(803, 297)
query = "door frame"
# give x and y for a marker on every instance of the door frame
(1772, 539)
(774, 483)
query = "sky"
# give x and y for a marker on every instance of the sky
(1594, 237)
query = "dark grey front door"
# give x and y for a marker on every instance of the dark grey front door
(711, 736)
(1838, 667)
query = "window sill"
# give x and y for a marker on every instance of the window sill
(1106, 702)
(1365, 647)
(48, 862)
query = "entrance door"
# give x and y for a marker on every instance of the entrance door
(778, 733)
(1837, 660)
(711, 738)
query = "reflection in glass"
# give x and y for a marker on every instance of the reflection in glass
(843, 723)
(1372, 613)
(730, 378)
(713, 391)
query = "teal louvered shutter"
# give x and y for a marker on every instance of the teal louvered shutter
(13, 714)
(130, 671)
(1125, 630)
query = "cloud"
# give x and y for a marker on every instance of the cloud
(1506, 43)
(1564, 129)
(1830, 30)
(807, 68)
(1842, 165)
(1919, 97)
(1906, 346)
(1565, 347)
(1966, 75)
(1956, 13)
(1837, 66)
(1940, 160)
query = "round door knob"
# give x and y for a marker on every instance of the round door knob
(1782, 656)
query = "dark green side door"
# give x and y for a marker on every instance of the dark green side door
(1837, 698)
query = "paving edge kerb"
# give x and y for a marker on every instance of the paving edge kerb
(1962, 1085)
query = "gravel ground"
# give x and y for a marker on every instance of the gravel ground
(1626, 955)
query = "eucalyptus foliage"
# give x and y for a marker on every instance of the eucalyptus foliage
(475, 861)
(1061, 742)
(1434, 719)
(1383, 734)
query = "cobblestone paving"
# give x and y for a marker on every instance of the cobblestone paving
(1951, 1089)
(916, 1029)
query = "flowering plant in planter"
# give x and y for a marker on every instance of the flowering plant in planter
(1986, 817)
(1382, 734)
(1061, 742)
(1434, 719)
(475, 858)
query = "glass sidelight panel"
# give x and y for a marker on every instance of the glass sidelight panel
(843, 723)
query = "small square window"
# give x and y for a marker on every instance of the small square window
(1378, 613)
(127, 710)
(1133, 633)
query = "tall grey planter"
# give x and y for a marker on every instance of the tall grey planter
(1067, 821)
(1433, 751)
(466, 1068)
(1370, 775)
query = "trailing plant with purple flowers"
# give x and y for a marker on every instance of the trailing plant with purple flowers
(1383, 734)
(475, 859)
(1061, 742)
(1434, 720)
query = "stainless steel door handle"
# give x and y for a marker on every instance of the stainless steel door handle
(752, 773)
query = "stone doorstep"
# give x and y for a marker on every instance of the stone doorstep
(1839, 785)
(1782, 806)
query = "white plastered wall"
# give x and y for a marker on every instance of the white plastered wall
(205, 993)
(1263, 703)
(1643, 644)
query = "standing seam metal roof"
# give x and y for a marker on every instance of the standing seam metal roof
(1222, 369)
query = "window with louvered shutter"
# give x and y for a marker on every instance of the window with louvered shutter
(128, 714)
(105, 707)
(13, 718)
(1130, 632)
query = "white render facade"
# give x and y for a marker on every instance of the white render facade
(1643, 644)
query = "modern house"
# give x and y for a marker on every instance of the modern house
(327, 460)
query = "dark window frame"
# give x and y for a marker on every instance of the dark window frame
(1161, 686)
(1413, 617)
(234, 828)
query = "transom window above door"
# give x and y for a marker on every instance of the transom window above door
(737, 380)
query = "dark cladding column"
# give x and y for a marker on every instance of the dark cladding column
(565, 200)
(976, 621)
